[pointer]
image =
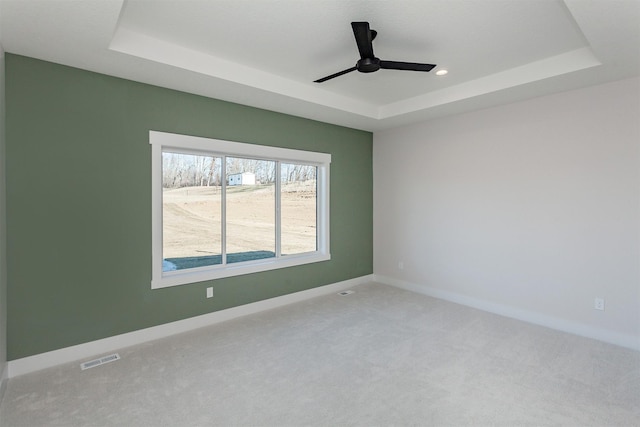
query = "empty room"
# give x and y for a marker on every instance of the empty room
(319, 212)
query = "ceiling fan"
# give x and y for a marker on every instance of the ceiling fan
(368, 63)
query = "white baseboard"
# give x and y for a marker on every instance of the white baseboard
(623, 340)
(107, 345)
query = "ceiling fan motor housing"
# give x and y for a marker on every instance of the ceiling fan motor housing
(368, 65)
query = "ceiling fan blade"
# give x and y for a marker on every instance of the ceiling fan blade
(409, 66)
(339, 73)
(364, 37)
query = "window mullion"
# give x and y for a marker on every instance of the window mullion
(223, 204)
(278, 210)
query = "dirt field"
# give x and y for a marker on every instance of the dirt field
(191, 220)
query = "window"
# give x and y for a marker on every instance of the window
(224, 208)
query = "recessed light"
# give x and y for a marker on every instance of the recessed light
(441, 72)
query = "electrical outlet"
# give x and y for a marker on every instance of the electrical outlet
(209, 292)
(598, 304)
(401, 265)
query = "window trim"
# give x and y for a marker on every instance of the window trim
(199, 145)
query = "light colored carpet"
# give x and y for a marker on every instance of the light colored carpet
(381, 356)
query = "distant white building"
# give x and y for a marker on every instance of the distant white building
(244, 178)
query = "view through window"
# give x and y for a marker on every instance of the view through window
(222, 209)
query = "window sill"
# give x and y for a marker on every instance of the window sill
(194, 275)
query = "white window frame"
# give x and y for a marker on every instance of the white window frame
(206, 146)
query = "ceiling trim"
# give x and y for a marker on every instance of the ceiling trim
(149, 48)
(565, 63)
(152, 49)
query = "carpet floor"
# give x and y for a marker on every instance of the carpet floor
(378, 357)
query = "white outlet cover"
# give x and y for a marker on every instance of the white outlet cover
(598, 303)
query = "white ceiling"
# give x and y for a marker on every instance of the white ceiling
(267, 53)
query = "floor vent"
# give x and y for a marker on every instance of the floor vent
(101, 361)
(345, 293)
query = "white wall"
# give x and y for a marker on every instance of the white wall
(530, 209)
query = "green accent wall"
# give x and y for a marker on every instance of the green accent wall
(3, 239)
(78, 177)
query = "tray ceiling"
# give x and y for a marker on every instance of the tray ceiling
(267, 53)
